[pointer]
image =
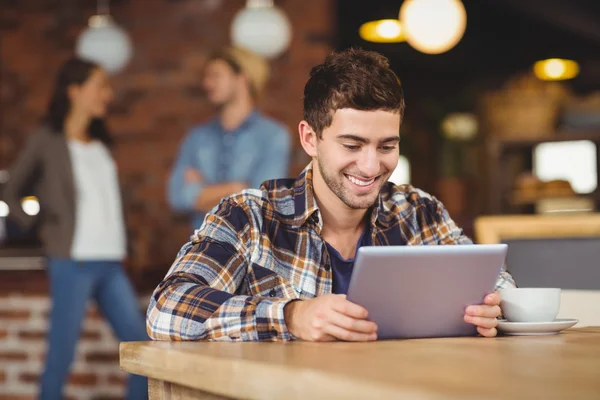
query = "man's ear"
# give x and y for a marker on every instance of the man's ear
(308, 138)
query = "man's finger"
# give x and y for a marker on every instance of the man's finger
(343, 306)
(193, 175)
(484, 311)
(492, 299)
(482, 322)
(349, 336)
(352, 324)
(487, 332)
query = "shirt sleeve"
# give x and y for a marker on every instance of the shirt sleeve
(181, 195)
(199, 298)
(449, 233)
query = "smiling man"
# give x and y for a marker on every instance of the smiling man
(275, 263)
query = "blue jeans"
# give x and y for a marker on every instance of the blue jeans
(72, 283)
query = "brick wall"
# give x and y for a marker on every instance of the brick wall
(157, 96)
(95, 373)
(157, 101)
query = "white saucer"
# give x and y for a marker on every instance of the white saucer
(535, 328)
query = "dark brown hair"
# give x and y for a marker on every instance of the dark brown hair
(353, 78)
(74, 71)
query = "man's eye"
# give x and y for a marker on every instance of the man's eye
(351, 147)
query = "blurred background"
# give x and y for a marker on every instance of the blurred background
(502, 117)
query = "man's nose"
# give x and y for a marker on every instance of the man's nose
(369, 163)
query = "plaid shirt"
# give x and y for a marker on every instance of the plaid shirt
(260, 249)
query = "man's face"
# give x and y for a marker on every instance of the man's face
(357, 154)
(220, 82)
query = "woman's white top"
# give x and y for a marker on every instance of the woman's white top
(99, 224)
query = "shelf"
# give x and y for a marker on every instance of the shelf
(559, 136)
(499, 179)
(516, 200)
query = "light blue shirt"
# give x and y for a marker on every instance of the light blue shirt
(257, 151)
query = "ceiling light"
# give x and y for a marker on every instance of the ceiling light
(382, 31)
(4, 210)
(556, 69)
(433, 26)
(262, 28)
(30, 205)
(104, 42)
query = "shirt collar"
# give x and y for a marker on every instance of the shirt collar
(305, 204)
(252, 117)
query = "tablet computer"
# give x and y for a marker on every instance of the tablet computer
(422, 291)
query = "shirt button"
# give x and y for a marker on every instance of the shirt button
(327, 267)
(272, 293)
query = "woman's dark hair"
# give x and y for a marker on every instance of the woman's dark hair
(353, 78)
(73, 72)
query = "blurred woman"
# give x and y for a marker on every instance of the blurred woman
(82, 226)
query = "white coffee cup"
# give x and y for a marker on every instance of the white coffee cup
(530, 304)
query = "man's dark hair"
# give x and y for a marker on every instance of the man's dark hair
(353, 78)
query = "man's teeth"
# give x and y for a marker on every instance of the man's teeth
(359, 182)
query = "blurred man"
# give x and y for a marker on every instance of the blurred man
(238, 149)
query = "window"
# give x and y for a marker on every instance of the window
(401, 174)
(572, 161)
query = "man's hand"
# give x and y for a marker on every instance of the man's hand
(192, 175)
(484, 317)
(328, 318)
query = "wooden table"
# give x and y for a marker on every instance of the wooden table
(563, 366)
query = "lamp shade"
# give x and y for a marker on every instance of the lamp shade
(433, 26)
(264, 29)
(105, 43)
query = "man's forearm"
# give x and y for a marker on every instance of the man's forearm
(186, 311)
(212, 194)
